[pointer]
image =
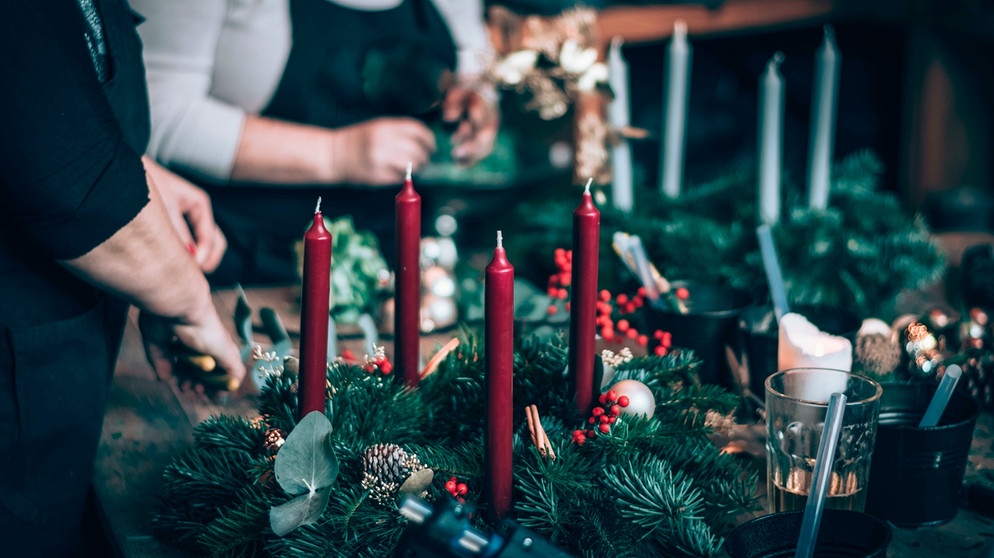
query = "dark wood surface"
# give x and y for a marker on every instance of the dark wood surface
(149, 422)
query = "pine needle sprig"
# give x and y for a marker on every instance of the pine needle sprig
(228, 432)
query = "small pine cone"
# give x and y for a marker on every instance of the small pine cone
(273, 440)
(385, 467)
(878, 354)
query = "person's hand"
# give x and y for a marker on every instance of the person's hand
(189, 210)
(170, 344)
(478, 118)
(376, 152)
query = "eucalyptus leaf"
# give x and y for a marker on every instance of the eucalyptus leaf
(306, 462)
(302, 510)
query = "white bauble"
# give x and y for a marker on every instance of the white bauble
(640, 398)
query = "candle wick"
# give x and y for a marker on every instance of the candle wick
(500, 240)
(586, 189)
(829, 33)
(317, 208)
(680, 28)
(410, 167)
(616, 43)
(777, 59)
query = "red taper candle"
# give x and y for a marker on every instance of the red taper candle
(499, 359)
(407, 297)
(315, 295)
(583, 299)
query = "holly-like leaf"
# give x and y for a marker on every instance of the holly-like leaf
(307, 462)
(302, 510)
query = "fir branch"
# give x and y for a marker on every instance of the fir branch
(229, 432)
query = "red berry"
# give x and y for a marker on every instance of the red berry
(605, 295)
(643, 340)
(562, 294)
(604, 418)
(612, 420)
(660, 350)
(632, 333)
(551, 309)
(641, 292)
(605, 428)
(553, 291)
(612, 395)
(450, 486)
(603, 398)
(590, 433)
(624, 401)
(598, 411)
(682, 293)
(567, 307)
(622, 325)
(348, 355)
(386, 367)
(615, 410)
(658, 334)
(608, 334)
(462, 489)
(621, 299)
(629, 308)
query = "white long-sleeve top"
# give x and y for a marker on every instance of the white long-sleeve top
(211, 62)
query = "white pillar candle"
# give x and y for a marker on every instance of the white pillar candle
(802, 345)
(824, 100)
(622, 186)
(770, 145)
(677, 90)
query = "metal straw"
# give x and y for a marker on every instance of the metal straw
(822, 475)
(772, 266)
(941, 397)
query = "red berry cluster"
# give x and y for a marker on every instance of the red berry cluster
(560, 280)
(456, 489)
(608, 305)
(602, 416)
(377, 362)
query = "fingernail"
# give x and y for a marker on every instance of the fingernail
(191, 248)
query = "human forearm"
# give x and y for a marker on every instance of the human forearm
(374, 152)
(281, 152)
(146, 264)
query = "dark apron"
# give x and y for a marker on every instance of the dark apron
(56, 364)
(345, 66)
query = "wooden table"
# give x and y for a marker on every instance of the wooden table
(149, 422)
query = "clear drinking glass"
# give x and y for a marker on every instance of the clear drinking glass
(796, 405)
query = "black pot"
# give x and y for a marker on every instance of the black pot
(840, 533)
(707, 327)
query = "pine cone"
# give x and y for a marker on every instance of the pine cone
(273, 440)
(877, 354)
(385, 467)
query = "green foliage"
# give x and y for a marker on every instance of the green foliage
(860, 252)
(359, 274)
(306, 466)
(648, 487)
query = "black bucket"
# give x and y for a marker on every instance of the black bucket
(707, 327)
(841, 533)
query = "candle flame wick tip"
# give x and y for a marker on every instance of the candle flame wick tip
(586, 189)
(410, 169)
(317, 208)
(500, 239)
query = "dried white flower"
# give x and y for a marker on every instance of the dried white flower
(513, 68)
(574, 59)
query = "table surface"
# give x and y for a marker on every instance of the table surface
(149, 422)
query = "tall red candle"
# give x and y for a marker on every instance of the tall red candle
(499, 360)
(407, 300)
(583, 299)
(315, 295)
